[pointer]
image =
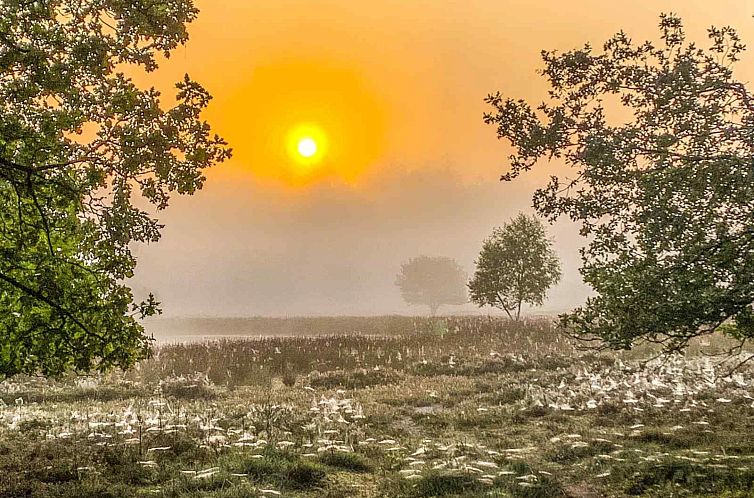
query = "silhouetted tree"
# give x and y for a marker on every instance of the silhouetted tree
(78, 139)
(432, 281)
(659, 140)
(516, 265)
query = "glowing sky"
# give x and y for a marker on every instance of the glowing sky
(391, 92)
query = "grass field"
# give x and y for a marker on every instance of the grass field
(452, 407)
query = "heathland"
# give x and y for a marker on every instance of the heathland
(388, 407)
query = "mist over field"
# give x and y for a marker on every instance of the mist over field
(331, 249)
(398, 91)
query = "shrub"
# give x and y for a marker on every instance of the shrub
(352, 462)
(695, 479)
(353, 379)
(34, 425)
(289, 378)
(444, 484)
(542, 487)
(304, 475)
(195, 387)
(283, 469)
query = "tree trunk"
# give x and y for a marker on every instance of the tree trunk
(503, 306)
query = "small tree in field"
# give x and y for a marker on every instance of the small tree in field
(432, 281)
(517, 265)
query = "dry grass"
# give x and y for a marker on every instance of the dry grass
(470, 407)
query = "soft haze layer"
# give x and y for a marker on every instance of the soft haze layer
(411, 168)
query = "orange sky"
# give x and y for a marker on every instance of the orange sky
(391, 81)
(397, 88)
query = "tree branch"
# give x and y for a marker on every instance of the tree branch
(41, 297)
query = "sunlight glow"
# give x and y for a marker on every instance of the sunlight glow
(307, 147)
(339, 108)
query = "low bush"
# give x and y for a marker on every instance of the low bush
(352, 462)
(445, 484)
(353, 379)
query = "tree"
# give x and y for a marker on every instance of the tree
(660, 141)
(432, 281)
(78, 142)
(516, 265)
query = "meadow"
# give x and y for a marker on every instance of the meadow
(401, 407)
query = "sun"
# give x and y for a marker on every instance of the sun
(307, 147)
(339, 109)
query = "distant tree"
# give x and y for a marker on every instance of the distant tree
(78, 141)
(659, 139)
(432, 281)
(516, 265)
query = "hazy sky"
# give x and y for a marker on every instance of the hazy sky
(395, 87)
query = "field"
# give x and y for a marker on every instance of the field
(450, 407)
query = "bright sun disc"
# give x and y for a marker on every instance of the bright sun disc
(307, 147)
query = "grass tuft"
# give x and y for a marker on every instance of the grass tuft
(352, 462)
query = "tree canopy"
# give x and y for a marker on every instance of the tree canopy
(517, 265)
(432, 281)
(79, 143)
(657, 141)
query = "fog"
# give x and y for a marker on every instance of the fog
(398, 87)
(330, 249)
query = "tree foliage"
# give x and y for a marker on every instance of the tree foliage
(432, 281)
(517, 265)
(79, 141)
(659, 139)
